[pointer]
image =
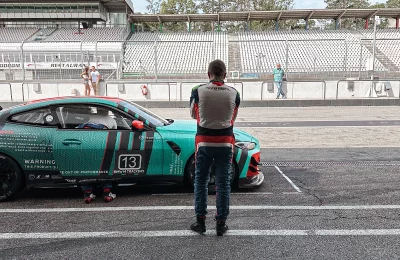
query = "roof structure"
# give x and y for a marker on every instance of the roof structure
(113, 6)
(293, 14)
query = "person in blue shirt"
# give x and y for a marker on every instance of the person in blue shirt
(278, 74)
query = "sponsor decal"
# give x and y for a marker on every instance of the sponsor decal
(6, 132)
(38, 161)
(56, 177)
(10, 65)
(218, 88)
(65, 65)
(49, 118)
(39, 177)
(146, 137)
(130, 162)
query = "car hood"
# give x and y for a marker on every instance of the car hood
(190, 127)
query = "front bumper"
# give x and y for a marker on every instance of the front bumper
(252, 182)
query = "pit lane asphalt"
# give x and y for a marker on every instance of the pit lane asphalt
(326, 185)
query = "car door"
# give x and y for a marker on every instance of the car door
(84, 148)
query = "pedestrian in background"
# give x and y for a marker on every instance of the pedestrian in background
(278, 74)
(215, 106)
(95, 79)
(85, 76)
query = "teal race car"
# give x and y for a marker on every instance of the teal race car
(75, 140)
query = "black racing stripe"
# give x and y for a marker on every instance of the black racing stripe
(109, 153)
(148, 148)
(136, 141)
(124, 142)
(242, 160)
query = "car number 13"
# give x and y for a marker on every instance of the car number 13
(130, 161)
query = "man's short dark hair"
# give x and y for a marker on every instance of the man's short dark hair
(217, 68)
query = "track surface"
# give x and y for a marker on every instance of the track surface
(316, 203)
(299, 237)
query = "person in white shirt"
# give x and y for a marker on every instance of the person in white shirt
(95, 79)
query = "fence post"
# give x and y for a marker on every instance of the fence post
(22, 60)
(95, 53)
(155, 59)
(361, 51)
(345, 57)
(286, 59)
(80, 49)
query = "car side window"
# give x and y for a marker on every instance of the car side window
(42, 116)
(92, 117)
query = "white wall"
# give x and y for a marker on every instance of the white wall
(178, 91)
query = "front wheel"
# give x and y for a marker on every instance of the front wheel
(11, 178)
(191, 174)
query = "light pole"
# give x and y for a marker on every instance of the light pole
(377, 21)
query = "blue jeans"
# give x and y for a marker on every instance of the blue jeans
(279, 87)
(89, 186)
(222, 157)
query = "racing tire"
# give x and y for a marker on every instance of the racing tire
(211, 185)
(12, 179)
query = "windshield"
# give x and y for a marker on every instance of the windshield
(146, 114)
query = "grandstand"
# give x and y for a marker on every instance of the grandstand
(43, 40)
(49, 51)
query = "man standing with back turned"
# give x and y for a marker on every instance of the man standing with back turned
(215, 107)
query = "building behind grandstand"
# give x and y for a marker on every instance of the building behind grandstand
(55, 39)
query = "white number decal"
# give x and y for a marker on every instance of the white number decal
(130, 162)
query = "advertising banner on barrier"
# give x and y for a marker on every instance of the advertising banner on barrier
(54, 65)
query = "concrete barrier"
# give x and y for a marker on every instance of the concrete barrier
(299, 93)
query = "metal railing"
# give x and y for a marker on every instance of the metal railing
(23, 88)
(188, 59)
(140, 83)
(365, 80)
(296, 81)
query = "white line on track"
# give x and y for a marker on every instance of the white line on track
(287, 178)
(242, 207)
(233, 193)
(185, 233)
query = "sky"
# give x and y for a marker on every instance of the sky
(140, 5)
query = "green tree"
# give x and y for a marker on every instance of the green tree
(348, 4)
(177, 7)
(266, 5)
(393, 4)
(384, 21)
(153, 6)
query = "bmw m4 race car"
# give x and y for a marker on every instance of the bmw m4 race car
(73, 140)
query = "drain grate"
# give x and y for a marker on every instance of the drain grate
(332, 163)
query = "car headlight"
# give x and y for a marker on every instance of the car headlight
(246, 145)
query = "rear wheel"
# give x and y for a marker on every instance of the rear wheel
(191, 174)
(11, 178)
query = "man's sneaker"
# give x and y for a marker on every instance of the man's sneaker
(221, 227)
(88, 196)
(108, 195)
(200, 225)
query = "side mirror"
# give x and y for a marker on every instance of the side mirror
(137, 124)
